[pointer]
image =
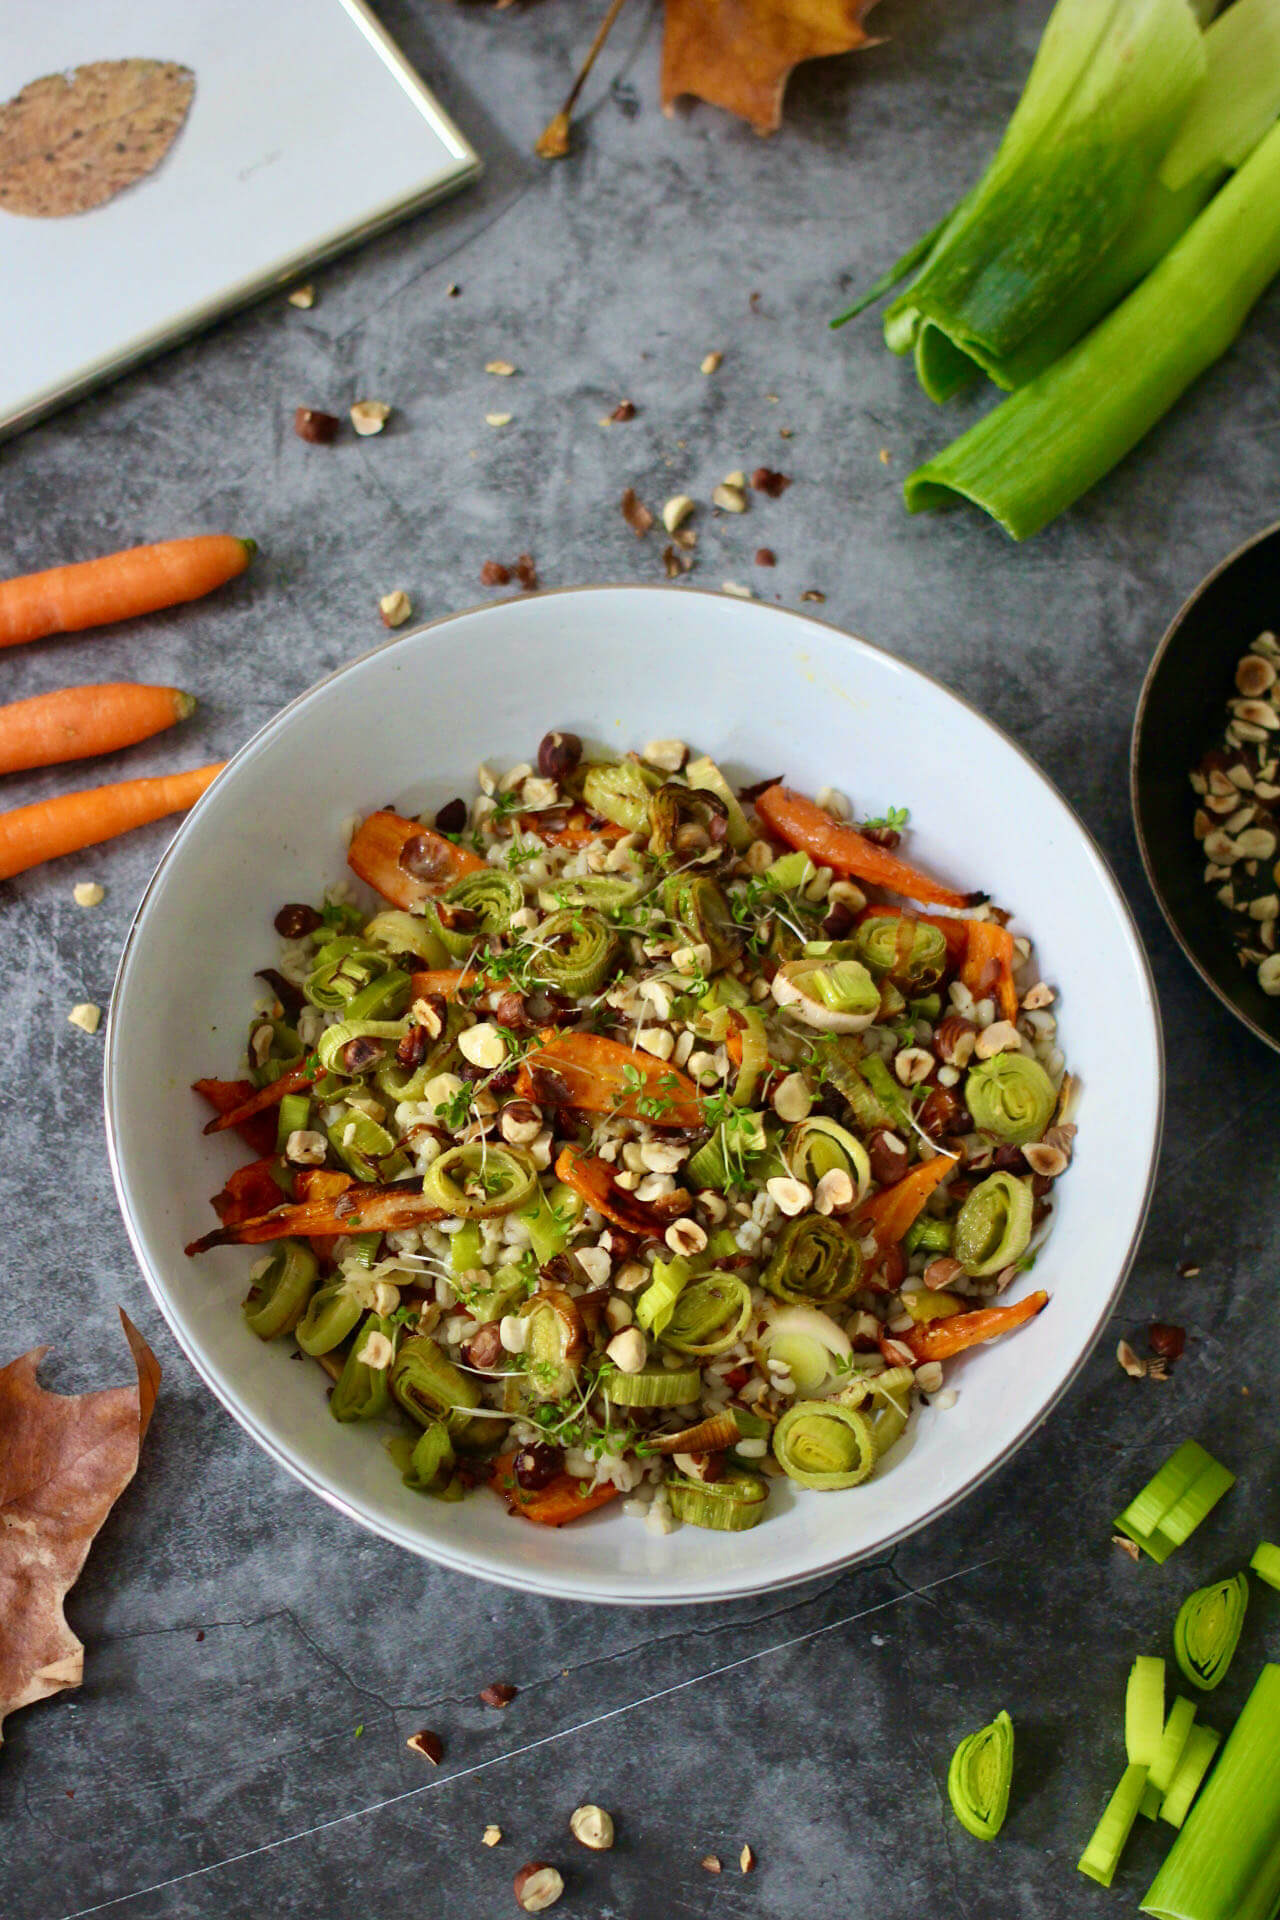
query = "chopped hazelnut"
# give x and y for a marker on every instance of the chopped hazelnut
(729, 497)
(592, 1827)
(635, 513)
(498, 419)
(499, 1693)
(710, 1862)
(538, 1886)
(494, 574)
(746, 1859)
(628, 1350)
(87, 893)
(502, 368)
(711, 361)
(303, 296)
(677, 511)
(428, 1744)
(1129, 1360)
(317, 428)
(491, 1836)
(370, 416)
(86, 1016)
(395, 608)
(625, 410)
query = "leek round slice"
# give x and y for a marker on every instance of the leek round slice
(605, 892)
(730, 1505)
(1011, 1096)
(1207, 1630)
(817, 1145)
(335, 1039)
(993, 1227)
(342, 970)
(699, 908)
(675, 805)
(709, 1316)
(807, 1341)
(911, 952)
(554, 1344)
(814, 1263)
(431, 1463)
(618, 792)
(979, 1778)
(279, 1296)
(407, 933)
(1266, 1563)
(429, 1387)
(837, 996)
(485, 900)
(755, 1054)
(721, 1161)
(480, 1180)
(332, 1313)
(824, 1445)
(890, 1394)
(362, 1392)
(573, 952)
(655, 1387)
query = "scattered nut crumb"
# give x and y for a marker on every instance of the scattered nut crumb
(769, 480)
(625, 410)
(491, 1836)
(498, 419)
(884, 456)
(1125, 1544)
(710, 1862)
(538, 1886)
(86, 1016)
(766, 557)
(499, 1693)
(1158, 1369)
(1129, 1360)
(395, 608)
(87, 893)
(729, 497)
(428, 1744)
(526, 573)
(785, 433)
(675, 562)
(710, 361)
(676, 511)
(317, 428)
(453, 290)
(503, 368)
(494, 574)
(1187, 1270)
(746, 1859)
(303, 296)
(737, 590)
(636, 514)
(369, 416)
(593, 1827)
(811, 593)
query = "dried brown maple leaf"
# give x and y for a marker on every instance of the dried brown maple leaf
(70, 141)
(738, 54)
(64, 1461)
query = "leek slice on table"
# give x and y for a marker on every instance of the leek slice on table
(1037, 452)
(1266, 1563)
(1197, 1755)
(1225, 1862)
(1144, 1710)
(1172, 1505)
(1102, 1855)
(1173, 1743)
(1207, 1630)
(979, 1778)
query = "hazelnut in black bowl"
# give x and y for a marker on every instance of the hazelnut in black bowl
(1205, 774)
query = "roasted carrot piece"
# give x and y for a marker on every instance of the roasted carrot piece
(444, 981)
(988, 965)
(803, 824)
(49, 828)
(375, 853)
(594, 1180)
(77, 722)
(890, 1212)
(939, 1339)
(357, 1209)
(603, 1076)
(224, 1096)
(560, 1501)
(262, 1099)
(577, 831)
(250, 1192)
(118, 586)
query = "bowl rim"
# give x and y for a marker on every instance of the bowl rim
(535, 1581)
(1149, 865)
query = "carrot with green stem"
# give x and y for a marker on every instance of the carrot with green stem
(49, 828)
(119, 586)
(803, 824)
(75, 723)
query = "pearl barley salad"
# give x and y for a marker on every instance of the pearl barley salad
(633, 1136)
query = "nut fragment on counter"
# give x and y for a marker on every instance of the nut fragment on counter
(491, 1836)
(395, 607)
(710, 1862)
(676, 511)
(538, 1886)
(499, 1693)
(592, 1827)
(746, 1859)
(369, 416)
(86, 1016)
(1134, 1366)
(712, 361)
(428, 1744)
(317, 428)
(87, 893)
(635, 513)
(303, 296)
(502, 368)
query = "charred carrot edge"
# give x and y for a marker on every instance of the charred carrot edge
(554, 1505)
(375, 850)
(594, 1181)
(576, 833)
(890, 1212)
(118, 586)
(75, 723)
(987, 943)
(803, 824)
(360, 1210)
(939, 1339)
(303, 1075)
(597, 1072)
(258, 1132)
(49, 828)
(250, 1191)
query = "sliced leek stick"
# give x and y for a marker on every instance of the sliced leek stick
(1202, 1744)
(1172, 1746)
(655, 1387)
(730, 1505)
(1170, 1507)
(1266, 1563)
(1144, 1710)
(1102, 1855)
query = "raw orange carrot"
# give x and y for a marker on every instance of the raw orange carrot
(77, 722)
(939, 1339)
(603, 1076)
(375, 855)
(890, 1212)
(988, 965)
(561, 1500)
(118, 586)
(363, 1210)
(802, 823)
(49, 828)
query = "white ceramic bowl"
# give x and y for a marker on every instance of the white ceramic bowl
(766, 692)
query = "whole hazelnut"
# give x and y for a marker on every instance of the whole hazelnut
(538, 1886)
(558, 755)
(317, 428)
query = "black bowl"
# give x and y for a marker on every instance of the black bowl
(1181, 713)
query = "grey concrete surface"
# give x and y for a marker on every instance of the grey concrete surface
(254, 1661)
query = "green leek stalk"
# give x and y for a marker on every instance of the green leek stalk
(1036, 453)
(1225, 1862)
